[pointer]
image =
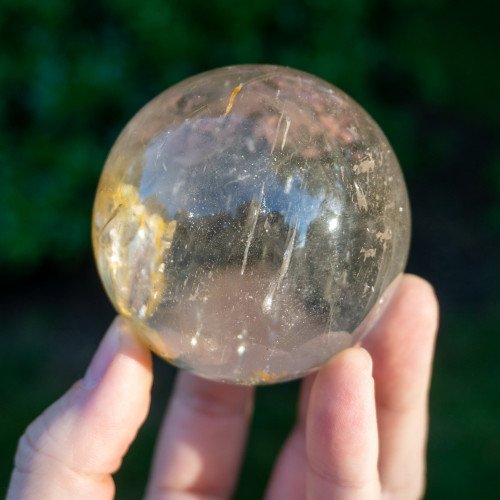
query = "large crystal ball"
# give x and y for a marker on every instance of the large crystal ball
(248, 221)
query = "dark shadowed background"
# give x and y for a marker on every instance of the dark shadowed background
(72, 73)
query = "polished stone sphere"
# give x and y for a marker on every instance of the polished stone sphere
(249, 221)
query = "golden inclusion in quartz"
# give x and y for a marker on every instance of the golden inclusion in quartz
(249, 221)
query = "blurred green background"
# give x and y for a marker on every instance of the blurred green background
(73, 72)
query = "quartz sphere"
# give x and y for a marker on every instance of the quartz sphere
(248, 221)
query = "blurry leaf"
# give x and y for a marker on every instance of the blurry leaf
(73, 73)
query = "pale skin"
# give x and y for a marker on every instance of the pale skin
(361, 427)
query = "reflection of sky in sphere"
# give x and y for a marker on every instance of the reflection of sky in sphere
(185, 170)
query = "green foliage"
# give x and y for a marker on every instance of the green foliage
(492, 215)
(465, 408)
(73, 73)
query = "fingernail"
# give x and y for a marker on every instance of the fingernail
(107, 350)
(365, 361)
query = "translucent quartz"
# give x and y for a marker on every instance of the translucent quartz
(248, 221)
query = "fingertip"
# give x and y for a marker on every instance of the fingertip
(341, 433)
(417, 297)
(343, 388)
(360, 359)
(421, 293)
(115, 402)
(323, 407)
(415, 280)
(132, 345)
(72, 449)
(342, 401)
(408, 323)
(120, 339)
(347, 363)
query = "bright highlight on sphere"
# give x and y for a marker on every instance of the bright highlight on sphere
(248, 221)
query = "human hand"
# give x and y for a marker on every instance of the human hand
(360, 432)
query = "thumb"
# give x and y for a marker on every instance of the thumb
(71, 450)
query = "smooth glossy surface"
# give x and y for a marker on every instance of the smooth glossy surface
(248, 221)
